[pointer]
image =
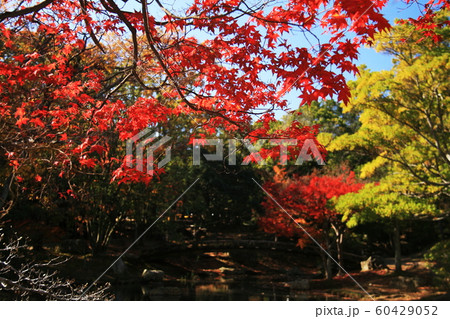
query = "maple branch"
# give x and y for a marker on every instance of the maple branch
(145, 86)
(112, 7)
(163, 9)
(18, 13)
(158, 56)
(89, 27)
(197, 17)
(110, 93)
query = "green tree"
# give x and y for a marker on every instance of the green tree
(405, 123)
(382, 202)
(404, 130)
(328, 114)
(332, 122)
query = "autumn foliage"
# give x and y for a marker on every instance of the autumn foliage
(62, 98)
(307, 210)
(307, 200)
(426, 22)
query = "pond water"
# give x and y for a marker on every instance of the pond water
(247, 290)
(237, 275)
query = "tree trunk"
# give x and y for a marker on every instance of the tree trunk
(5, 191)
(326, 264)
(329, 269)
(397, 248)
(340, 252)
(339, 240)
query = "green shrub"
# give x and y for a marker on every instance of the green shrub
(439, 258)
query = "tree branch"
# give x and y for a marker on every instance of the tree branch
(18, 13)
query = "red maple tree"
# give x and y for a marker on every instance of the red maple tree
(306, 212)
(426, 21)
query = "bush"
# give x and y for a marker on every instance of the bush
(439, 256)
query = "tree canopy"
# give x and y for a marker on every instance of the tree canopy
(404, 119)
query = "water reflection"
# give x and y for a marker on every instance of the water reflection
(244, 274)
(206, 291)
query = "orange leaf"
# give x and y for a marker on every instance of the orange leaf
(20, 112)
(37, 122)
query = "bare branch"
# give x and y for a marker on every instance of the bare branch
(36, 280)
(18, 13)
